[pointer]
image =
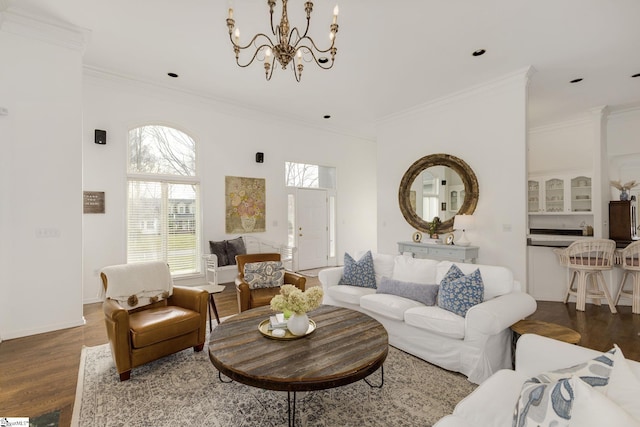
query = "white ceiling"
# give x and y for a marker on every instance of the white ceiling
(392, 55)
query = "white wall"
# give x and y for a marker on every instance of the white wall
(41, 199)
(485, 127)
(228, 138)
(561, 147)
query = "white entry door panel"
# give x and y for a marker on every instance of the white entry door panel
(312, 228)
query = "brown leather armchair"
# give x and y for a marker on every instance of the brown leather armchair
(251, 298)
(152, 331)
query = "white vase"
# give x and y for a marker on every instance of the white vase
(298, 324)
(248, 222)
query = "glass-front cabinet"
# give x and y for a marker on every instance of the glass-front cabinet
(581, 194)
(559, 194)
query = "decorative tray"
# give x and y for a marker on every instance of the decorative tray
(264, 330)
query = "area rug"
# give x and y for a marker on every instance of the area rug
(184, 389)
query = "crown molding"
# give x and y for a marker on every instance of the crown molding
(521, 77)
(623, 110)
(579, 120)
(18, 21)
(224, 106)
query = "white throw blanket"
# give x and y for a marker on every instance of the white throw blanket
(138, 284)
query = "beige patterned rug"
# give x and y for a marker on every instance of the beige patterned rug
(184, 390)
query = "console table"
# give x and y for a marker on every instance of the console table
(443, 252)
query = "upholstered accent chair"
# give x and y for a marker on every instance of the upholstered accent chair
(147, 317)
(251, 291)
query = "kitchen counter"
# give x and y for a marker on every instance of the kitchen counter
(550, 243)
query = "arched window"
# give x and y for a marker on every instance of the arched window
(162, 179)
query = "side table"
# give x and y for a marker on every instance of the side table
(212, 289)
(546, 329)
(539, 327)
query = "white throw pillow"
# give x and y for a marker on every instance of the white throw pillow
(415, 270)
(624, 386)
(592, 409)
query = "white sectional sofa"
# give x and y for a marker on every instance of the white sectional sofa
(476, 345)
(494, 401)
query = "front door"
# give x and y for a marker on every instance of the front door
(312, 228)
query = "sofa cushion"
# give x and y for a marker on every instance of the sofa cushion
(161, 323)
(383, 265)
(349, 294)
(458, 293)
(358, 273)
(390, 306)
(415, 270)
(426, 294)
(235, 247)
(436, 320)
(497, 280)
(219, 249)
(264, 274)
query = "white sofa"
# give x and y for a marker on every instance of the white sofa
(494, 401)
(476, 345)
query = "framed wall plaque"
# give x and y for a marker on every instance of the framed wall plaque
(93, 202)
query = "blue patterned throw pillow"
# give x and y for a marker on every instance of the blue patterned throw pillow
(458, 293)
(547, 398)
(265, 274)
(358, 273)
(545, 404)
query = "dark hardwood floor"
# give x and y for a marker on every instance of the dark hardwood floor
(38, 374)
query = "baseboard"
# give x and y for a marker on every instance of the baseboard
(41, 330)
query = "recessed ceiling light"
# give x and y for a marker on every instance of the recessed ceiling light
(327, 116)
(636, 75)
(479, 52)
(576, 80)
(174, 75)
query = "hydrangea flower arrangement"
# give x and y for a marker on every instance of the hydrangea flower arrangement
(296, 301)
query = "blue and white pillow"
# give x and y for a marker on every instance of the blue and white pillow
(358, 273)
(595, 372)
(265, 274)
(458, 293)
(545, 404)
(547, 398)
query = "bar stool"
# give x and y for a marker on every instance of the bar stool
(586, 260)
(630, 260)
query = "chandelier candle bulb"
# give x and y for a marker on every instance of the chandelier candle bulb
(236, 35)
(230, 13)
(335, 14)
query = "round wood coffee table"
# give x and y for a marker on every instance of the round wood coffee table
(346, 346)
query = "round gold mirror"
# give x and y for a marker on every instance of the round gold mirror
(438, 185)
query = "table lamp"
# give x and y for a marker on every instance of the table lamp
(463, 222)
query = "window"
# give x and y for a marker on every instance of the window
(163, 206)
(309, 176)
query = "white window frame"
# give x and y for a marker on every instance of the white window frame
(165, 180)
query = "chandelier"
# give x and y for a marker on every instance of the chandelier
(289, 46)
